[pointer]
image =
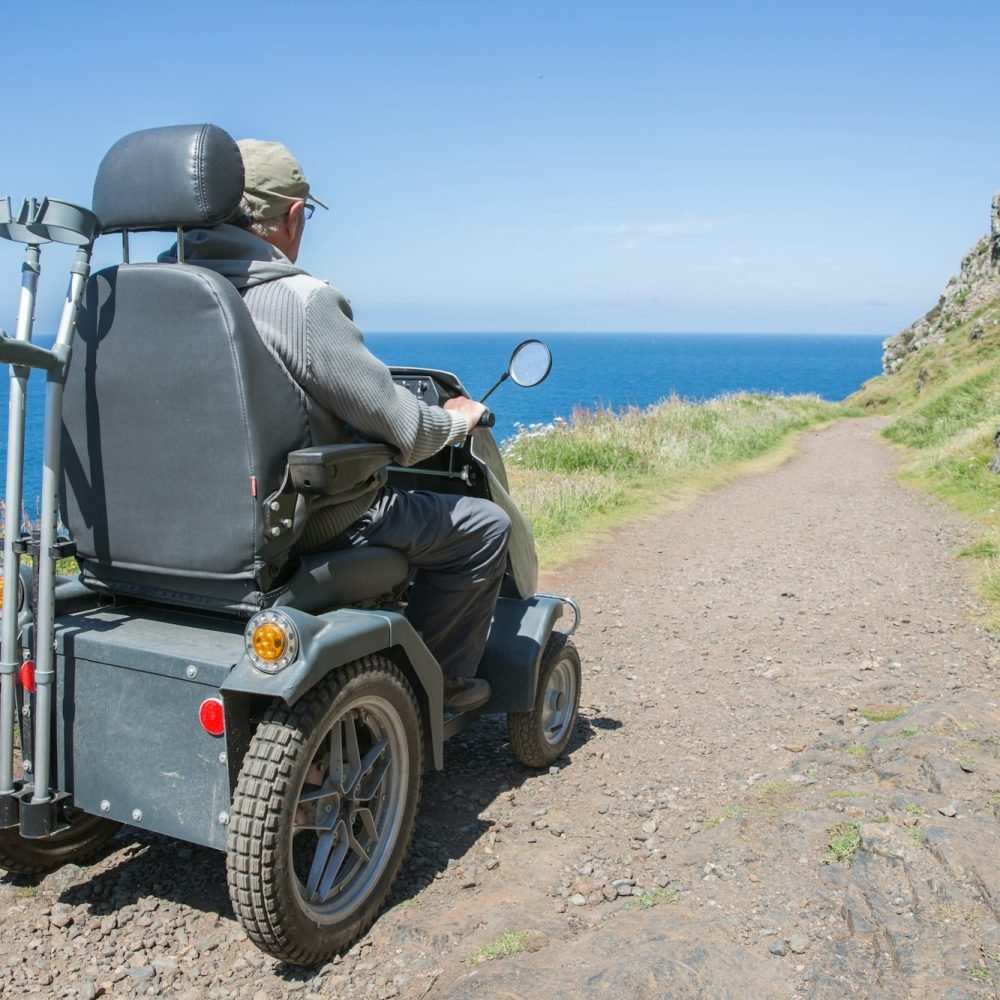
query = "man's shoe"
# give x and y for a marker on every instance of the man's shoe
(463, 693)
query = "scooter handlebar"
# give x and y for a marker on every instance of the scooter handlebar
(488, 419)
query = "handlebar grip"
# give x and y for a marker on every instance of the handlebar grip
(488, 419)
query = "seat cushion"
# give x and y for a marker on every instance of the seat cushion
(348, 576)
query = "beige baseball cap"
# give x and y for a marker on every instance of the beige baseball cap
(274, 178)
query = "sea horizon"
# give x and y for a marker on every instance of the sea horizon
(459, 332)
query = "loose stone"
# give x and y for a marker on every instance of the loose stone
(799, 944)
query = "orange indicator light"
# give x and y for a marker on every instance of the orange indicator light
(269, 641)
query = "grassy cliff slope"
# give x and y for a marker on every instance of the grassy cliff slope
(941, 388)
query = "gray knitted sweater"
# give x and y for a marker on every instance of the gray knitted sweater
(307, 325)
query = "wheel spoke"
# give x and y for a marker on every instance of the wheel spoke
(325, 812)
(353, 752)
(373, 771)
(369, 826)
(368, 822)
(331, 849)
(337, 755)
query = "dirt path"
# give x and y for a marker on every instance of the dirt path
(730, 652)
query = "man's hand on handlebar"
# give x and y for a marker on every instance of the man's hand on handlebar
(469, 408)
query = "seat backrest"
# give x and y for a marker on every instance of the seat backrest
(177, 419)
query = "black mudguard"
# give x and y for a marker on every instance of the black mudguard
(521, 629)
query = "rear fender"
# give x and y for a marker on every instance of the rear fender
(331, 640)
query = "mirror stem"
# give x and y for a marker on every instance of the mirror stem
(496, 385)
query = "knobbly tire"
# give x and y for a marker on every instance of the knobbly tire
(538, 737)
(86, 836)
(324, 811)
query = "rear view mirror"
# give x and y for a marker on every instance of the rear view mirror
(530, 363)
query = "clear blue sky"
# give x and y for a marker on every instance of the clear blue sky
(558, 165)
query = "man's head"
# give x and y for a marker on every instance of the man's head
(275, 195)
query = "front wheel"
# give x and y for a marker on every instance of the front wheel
(538, 737)
(324, 811)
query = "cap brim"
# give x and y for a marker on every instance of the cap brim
(312, 197)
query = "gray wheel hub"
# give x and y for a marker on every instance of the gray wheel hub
(349, 810)
(558, 702)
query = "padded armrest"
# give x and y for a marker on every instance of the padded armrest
(333, 469)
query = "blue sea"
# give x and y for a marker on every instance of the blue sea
(588, 370)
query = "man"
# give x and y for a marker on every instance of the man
(458, 545)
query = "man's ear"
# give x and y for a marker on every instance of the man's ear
(294, 217)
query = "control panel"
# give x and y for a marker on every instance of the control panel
(424, 387)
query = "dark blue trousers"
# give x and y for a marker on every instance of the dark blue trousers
(458, 545)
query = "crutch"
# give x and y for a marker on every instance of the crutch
(15, 229)
(38, 810)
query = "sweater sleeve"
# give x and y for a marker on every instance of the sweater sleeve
(346, 379)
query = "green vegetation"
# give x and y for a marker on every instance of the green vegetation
(961, 914)
(766, 813)
(988, 973)
(844, 842)
(772, 800)
(857, 750)
(952, 411)
(945, 406)
(604, 466)
(884, 713)
(511, 943)
(64, 567)
(775, 791)
(653, 898)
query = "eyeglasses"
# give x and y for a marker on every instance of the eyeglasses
(307, 209)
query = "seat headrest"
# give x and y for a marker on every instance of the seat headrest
(165, 178)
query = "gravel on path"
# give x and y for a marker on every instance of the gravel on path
(785, 781)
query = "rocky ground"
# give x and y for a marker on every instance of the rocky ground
(785, 782)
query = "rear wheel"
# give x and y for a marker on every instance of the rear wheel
(86, 836)
(538, 737)
(324, 811)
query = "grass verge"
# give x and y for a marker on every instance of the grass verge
(945, 405)
(578, 479)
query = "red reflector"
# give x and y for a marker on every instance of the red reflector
(212, 717)
(28, 676)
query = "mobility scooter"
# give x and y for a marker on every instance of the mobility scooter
(198, 678)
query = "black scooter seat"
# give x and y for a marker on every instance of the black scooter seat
(345, 576)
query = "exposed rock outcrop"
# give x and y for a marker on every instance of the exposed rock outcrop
(976, 285)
